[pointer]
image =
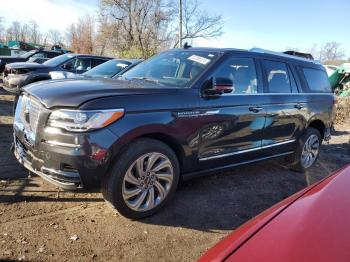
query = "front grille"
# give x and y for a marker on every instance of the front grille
(35, 110)
(30, 113)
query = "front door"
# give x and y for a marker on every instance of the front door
(232, 123)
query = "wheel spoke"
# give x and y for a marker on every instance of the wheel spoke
(139, 166)
(138, 201)
(130, 178)
(164, 176)
(150, 198)
(151, 160)
(163, 164)
(129, 193)
(161, 190)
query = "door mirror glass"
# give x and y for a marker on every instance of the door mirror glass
(218, 86)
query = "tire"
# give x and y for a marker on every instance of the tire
(117, 184)
(297, 161)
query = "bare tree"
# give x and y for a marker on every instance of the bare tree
(54, 37)
(34, 33)
(81, 36)
(2, 30)
(138, 27)
(198, 23)
(331, 51)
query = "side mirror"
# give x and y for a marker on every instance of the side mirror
(218, 86)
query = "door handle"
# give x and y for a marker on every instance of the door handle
(298, 106)
(255, 109)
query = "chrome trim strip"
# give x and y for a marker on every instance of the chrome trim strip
(56, 143)
(247, 150)
(187, 176)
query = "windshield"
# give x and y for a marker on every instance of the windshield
(27, 54)
(56, 61)
(107, 69)
(175, 68)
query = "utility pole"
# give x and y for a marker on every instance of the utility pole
(180, 23)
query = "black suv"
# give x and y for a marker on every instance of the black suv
(180, 114)
(17, 75)
(38, 56)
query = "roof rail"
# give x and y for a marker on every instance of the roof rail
(283, 54)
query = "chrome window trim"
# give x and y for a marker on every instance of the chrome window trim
(247, 150)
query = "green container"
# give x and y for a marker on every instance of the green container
(5, 51)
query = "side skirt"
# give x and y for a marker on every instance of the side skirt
(195, 174)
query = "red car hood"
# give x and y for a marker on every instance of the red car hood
(312, 225)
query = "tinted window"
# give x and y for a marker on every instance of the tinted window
(108, 69)
(58, 60)
(82, 64)
(39, 55)
(278, 80)
(317, 80)
(96, 61)
(51, 55)
(242, 73)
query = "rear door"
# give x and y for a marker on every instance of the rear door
(232, 123)
(285, 106)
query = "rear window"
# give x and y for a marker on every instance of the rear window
(317, 80)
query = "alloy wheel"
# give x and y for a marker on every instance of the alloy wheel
(148, 181)
(310, 151)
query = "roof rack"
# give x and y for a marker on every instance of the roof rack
(289, 54)
(300, 54)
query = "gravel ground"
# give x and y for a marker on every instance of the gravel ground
(40, 223)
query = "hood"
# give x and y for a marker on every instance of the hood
(11, 59)
(313, 228)
(74, 92)
(27, 66)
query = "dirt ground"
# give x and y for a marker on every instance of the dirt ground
(40, 223)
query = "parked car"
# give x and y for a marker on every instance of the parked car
(17, 75)
(181, 114)
(33, 55)
(109, 69)
(311, 225)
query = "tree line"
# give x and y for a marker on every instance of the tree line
(138, 29)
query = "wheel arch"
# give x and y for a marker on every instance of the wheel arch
(319, 125)
(166, 136)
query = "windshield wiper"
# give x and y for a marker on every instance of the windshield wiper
(148, 79)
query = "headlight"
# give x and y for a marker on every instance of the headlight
(83, 120)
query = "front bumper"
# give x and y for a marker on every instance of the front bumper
(13, 83)
(65, 180)
(67, 160)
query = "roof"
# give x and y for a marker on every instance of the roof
(255, 50)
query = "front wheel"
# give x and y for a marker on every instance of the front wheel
(307, 151)
(143, 179)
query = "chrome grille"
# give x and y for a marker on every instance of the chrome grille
(30, 113)
(34, 113)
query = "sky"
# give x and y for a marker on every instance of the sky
(269, 24)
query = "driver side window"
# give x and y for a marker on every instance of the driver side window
(242, 72)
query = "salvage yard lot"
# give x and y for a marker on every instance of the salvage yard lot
(38, 222)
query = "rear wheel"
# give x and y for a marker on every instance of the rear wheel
(307, 151)
(143, 179)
